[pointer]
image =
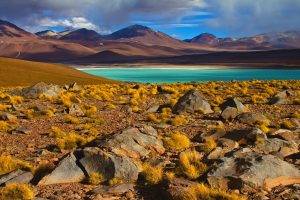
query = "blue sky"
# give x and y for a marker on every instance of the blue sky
(178, 18)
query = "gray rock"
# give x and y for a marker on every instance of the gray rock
(153, 109)
(67, 171)
(256, 134)
(135, 144)
(252, 118)
(21, 130)
(280, 98)
(234, 103)
(273, 145)
(109, 165)
(41, 89)
(229, 113)
(249, 168)
(7, 117)
(192, 102)
(75, 110)
(17, 176)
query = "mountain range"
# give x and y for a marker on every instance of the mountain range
(130, 43)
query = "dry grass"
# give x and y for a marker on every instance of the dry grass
(177, 141)
(15, 72)
(9, 164)
(96, 178)
(16, 191)
(152, 174)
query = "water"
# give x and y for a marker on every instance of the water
(172, 75)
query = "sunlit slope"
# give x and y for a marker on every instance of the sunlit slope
(15, 72)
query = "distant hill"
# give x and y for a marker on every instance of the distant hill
(15, 72)
(267, 41)
(9, 30)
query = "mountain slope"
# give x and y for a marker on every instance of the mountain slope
(15, 72)
(18, 43)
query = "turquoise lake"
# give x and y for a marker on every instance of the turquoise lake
(172, 75)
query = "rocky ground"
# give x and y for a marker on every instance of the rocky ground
(216, 140)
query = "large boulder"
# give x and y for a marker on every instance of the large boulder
(109, 165)
(67, 171)
(41, 89)
(246, 168)
(17, 176)
(192, 102)
(135, 142)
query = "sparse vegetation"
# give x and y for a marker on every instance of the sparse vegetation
(16, 191)
(9, 164)
(96, 178)
(177, 141)
(152, 174)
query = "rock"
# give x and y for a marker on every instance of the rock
(75, 110)
(280, 98)
(67, 171)
(217, 153)
(253, 118)
(134, 143)
(177, 187)
(234, 103)
(227, 143)
(153, 109)
(17, 176)
(41, 89)
(249, 169)
(192, 102)
(287, 135)
(109, 165)
(72, 87)
(7, 117)
(21, 130)
(114, 190)
(256, 135)
(229, 113)
(274, 145)
(282, 181)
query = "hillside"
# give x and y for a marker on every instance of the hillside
(15, 72)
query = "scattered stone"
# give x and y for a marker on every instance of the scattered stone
(229, 113)
(41, 89)
(17, 176)
(153, 109)
(192, 102)
(287, 135)
(253, 118)
(75, 110)
(274, 145)
(21, 130)
(256, 135)
(234, 103)
(280, 98)
(7, 117)
(67, 171)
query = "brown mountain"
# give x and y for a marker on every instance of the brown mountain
(18, 43)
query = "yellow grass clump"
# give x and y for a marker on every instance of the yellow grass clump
(96, 178)
(115, 181)
(15, 100)
(177, 141)
(152, 118)
(71, 120)
(4, 126)
(9, 164)
(4, 107)
(201, 191)
(152, 174)
(191, 165)
(179, 120)
(16, 191)
(287, 124)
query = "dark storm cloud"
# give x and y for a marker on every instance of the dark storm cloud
(242, 16)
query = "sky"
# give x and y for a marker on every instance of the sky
(179, 18)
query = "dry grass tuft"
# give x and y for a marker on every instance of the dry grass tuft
(9, 164)
(16, 191)
(177, 141)
(152, 174)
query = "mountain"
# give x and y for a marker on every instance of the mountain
(10, 30)
(145, 35)
(268, 41)
(82, 35)
(18, 43)
(47, 34)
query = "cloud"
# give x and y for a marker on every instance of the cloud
(74, 23)
(240, 17)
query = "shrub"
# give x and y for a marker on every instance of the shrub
(264, 128)
(71, 120)
(14, 100)
(191, 165)
(4, 126)
(115, 181)
(201, 191)
(71, 141)
(179, 120)
(96, 178)
(177, 141)
(209, 145)
(170, 175)
(152, 174)
(4, 107)
(9, 164)
(152, 118)
(287, 124)
(16, 191)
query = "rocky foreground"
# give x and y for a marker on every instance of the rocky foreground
(236, 140)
